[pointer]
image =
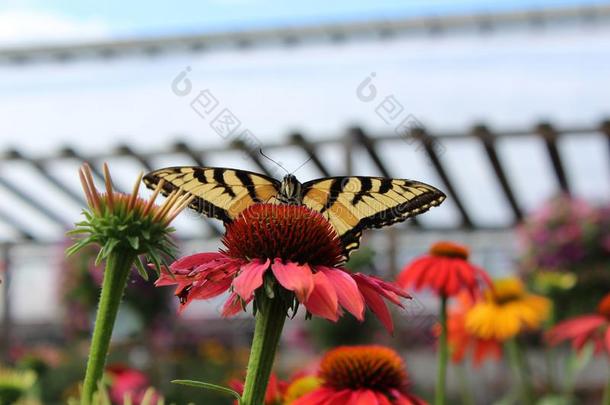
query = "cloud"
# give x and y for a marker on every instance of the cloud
(27, 28)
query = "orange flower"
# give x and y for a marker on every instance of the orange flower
(507, 310)
(445, 270)
(462, 342)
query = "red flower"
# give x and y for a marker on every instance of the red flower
(285, 251)
(462, 342)
(445, 270)
(363, 375)
(128, 382)
(275, 390)
(592, 328)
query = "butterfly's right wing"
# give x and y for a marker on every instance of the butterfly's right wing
(219, 193)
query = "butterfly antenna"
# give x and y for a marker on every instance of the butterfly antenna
(261, 151)
(303, 164)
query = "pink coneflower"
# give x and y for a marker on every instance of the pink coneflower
(364, 375)
(590, 328)
(287, 252)
(130, 383)
(444, 270)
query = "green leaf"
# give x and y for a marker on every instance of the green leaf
(99, 257)
(141, 269)
(134, 241)
(208, 386)
(79, 230)
(109, 247)
(79, 245)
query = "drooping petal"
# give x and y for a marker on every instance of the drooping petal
(349, 296)
(294, 277)
(234, 305)
(209, 289)
(193, 261)
(323, 300)
(250, 278)
(376, 304)
(167, 279)
(382, 288)
(574, 327)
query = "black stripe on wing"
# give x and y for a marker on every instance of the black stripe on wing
(200, 203)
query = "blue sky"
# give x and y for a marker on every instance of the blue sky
(121, 18)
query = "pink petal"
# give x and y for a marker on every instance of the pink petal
(234, 305)
(294, 277)
(349, 296)
(166, 279)
(317, 397)
(363, 397)
(193, 261)
(574, 327)
(209, 289)
(382, 399)
(607, 340)
(376, 304)
(381, 287)
(323, 300)
(250, 278)
(342, 397)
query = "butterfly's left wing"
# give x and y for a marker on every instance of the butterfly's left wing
(353, 204)
(218, 192)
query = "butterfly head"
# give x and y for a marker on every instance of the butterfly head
(291, 190)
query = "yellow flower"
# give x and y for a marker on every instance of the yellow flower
(507, 310)
(301, 386)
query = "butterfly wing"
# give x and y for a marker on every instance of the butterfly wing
(219, 193)
(353, 204)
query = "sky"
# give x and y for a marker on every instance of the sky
(39, 22)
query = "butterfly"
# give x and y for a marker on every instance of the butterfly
(351, 204)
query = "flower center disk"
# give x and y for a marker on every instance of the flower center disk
(288, 232)
(449, 249)
(372, 367)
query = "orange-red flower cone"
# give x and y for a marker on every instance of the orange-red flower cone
(361, 375)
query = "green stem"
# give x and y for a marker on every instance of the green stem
(118, 265)
(606, 399)
(443, 355)
(520, 370)
(467, 398)
(267, 331)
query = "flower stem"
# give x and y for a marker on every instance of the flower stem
(267, 331)
(443, 354)
(606, 399)
(118, 265)
(520, 370)
(467, 397)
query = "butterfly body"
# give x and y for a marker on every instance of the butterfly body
(291, 191)
(351, 204)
